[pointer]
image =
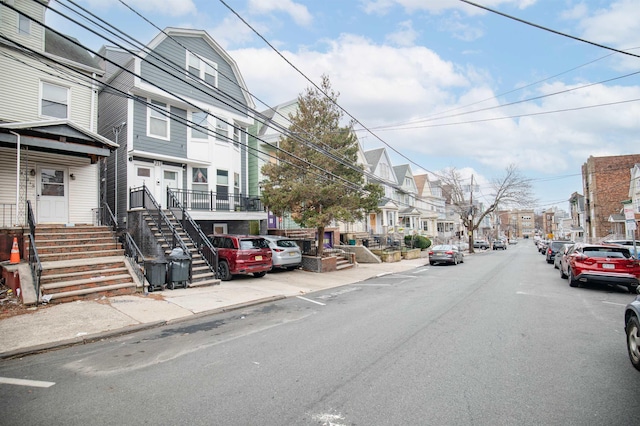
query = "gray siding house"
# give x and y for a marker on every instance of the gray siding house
(179, 110)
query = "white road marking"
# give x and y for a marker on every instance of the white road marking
(22, 382)
(614, 303)
(312, 301)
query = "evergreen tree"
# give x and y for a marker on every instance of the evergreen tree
(316, 178)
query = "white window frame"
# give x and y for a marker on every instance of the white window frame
(42, 98)
(158, 116)
(222, 130)
(204, 123)
(204, 66)
(24, 25)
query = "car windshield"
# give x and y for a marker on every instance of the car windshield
(603, 252)
(253, 243)
(286, 243)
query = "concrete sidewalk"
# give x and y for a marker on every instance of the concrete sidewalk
(67, 324)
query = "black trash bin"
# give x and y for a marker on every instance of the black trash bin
(155, 271)
(179, 268)
(365, 243)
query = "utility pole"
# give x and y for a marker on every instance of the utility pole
(116, 132)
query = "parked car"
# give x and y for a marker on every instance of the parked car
(632, 330)
(285, 252)
(561, 255)
(628, 243)
(481, 244)
(553, 247)
(601, 263)
(499, 244)
(446, 253)
(241, 254)
(542, 246)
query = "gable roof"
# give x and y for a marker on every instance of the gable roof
(188, 32)
(62, 130)
(373, 156)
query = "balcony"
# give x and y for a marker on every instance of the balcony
(209, 201)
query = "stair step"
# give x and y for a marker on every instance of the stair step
(100, 282)
(73, 248)
(80, 255)
(110, 291)
(86, 274)
(211, 281)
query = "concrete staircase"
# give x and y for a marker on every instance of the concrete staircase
(343, 262)
(81, 262)
(201, 275)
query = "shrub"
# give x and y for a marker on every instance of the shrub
(417, 241)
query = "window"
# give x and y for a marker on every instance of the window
(158, 120)
(24, 25)
(144, 172)
(222, 181)
(202, 69)
(222, 130)
(200, 127)
(55, 101)
(236, 136)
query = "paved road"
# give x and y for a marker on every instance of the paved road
(498, 340)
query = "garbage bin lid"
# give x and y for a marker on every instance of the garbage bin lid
(156, 260)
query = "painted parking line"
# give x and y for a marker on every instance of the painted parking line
(614, 303)
(312, 301)
(22, 382)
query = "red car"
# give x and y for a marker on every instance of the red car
(241, 254)
(609, 264)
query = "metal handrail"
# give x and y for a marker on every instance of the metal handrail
(198, 238)
(132, 253)
(142, 197)
(34, 260)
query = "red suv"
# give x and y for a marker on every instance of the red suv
(241, 254)
(601, 263)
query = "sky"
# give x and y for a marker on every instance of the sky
(439, 83)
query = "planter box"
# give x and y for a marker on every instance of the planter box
(389, 256)
(319, 264)
(411, 254)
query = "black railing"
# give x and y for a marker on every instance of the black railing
(142, 197)
(212, 201)
(34, 260)
(200, 241)
(131, 251)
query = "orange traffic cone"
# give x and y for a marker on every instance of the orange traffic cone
(15, 252)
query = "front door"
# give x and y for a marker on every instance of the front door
(53, 195)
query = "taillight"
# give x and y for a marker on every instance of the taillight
(549, 251)
(430, 253)
(449, 252)
(278, 250)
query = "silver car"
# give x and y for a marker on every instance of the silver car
(285, 253)
(632, 330)
(445, 253)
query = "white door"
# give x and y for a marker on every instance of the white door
(52, 195)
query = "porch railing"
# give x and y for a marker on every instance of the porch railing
(8, 215)
(193, 230)
(212, 201)
(131, 251)
(34, 260)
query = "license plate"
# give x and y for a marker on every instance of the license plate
(258, 257)
(608, 266)
(292, 253)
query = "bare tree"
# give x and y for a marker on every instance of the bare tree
(510, 191)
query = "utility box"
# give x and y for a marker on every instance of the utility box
(179, 269)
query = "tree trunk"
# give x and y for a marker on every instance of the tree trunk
(320, 240)
(471, 242)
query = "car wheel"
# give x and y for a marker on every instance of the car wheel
(572, 280)
(633, 289)
(432, 263)
(633, 342)
(259, 274)
(223, 271)
(562, 274)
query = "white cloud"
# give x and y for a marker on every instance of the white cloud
(298, 12)
(618, 25)
(404, 36)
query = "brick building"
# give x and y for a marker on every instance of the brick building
(605, 182)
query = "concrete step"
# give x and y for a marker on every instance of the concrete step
(82, 275)
(99, 283)
(80, 255)
(91, 293)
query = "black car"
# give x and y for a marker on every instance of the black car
(553, 248)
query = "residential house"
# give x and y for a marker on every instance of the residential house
(431, 205)
(577, 213)
(405, 194)
(517, 223)
(605, 182)
(50, 152)
(387, 219)
(180, 111)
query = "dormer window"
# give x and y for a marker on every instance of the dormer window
(202, 69)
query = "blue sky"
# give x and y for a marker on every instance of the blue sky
(440, 83)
